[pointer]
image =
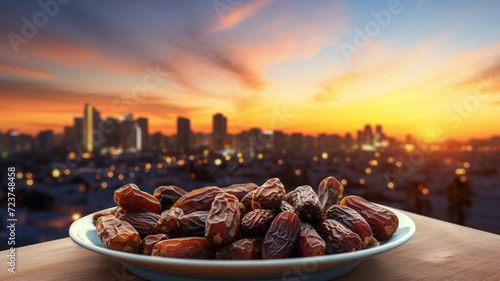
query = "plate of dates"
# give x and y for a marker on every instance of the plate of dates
(242, 232)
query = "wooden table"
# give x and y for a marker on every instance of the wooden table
(438, 251)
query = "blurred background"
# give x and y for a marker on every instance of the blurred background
(398, 100)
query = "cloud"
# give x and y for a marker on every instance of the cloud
(44, 103)
(23, 71)
(229, 16)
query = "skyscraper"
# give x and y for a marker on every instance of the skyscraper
(348, 141)
(143, 124)
(219, 131)
(79, 141)
(91, 123)
(297, 142)
(183, 134)
(45, 141)
(368, 135)
(279, 141)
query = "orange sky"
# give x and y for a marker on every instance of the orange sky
(259, 64)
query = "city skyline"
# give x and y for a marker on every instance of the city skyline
(258, 63)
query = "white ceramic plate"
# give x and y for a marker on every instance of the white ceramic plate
(326, 267)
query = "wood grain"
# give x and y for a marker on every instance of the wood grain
(438, 251)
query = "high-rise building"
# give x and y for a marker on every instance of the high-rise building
(279, 141)
(219, 131)
(348, 141)
(79, 131)
(297, 142)
(368, 135)
(183, 135)
(111, 132)
(45, 141)
(334, 142)
(158, 141)
(360, 138)
(309, 143)
(143, 124)
(322, 142)
(69, 137)
(201, 141)
(256, 142)
(91, 122)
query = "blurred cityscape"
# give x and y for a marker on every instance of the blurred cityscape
(62, 177)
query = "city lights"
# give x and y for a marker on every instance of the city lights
(19, 175)
(217, 162)
(227, 157)
(181, 162)
(425, 191)
(460, 171)
(67, 172)
(75, 216)
(324, 155)
(110, 174)
(260, 155)
(97, 177)
(373, 162)
(361, 181)
(390, 185)
(159, 165)
(104, 184)
(280, 161)
(148, 166)
(121, 176)
(368, 170)
(56, 173)
(29, 175)
(466, 165)
(343, 181)
(29, 182)
(297, 172)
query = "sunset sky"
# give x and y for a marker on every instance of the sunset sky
(264, 63)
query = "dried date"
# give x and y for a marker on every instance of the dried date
(168, 195)
(133, 200)
(101, 214)
(382, 221)
(223, 219)
(338, 238)
(185, 247)
(240, 190)
(118, 235)
(309, 243)
(247, 201)
(269, 195)
(280, 239)
(256, 223)
(144, 223)
(307, 205)
(148, 243)
(243, 249)
(330, 191)
(354, 221)
(170, 222)
(198, 200)
(193, 224)
(285, 206)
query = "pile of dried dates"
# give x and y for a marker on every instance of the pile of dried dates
(243, 221)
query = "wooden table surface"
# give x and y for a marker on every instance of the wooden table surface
(438, 251)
